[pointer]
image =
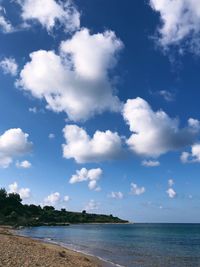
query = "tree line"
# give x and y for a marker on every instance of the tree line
(14, 212)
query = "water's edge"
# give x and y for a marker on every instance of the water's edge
(105, 263)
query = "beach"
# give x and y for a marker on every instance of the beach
(26, 252)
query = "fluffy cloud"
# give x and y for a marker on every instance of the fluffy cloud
(23, 164)
(155, 133)
(91, 176)
(5, 25)
(194, 156)
(150, 163)
(9, 66)
(50, 12)
(80, 146)
(116, 195)
(180, 22)
(52, 199)
(136, 190)
(23, 192)
(77, 80)
(92, 205)
(171, 193)
(13, 143)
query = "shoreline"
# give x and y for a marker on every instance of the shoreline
(16, 250)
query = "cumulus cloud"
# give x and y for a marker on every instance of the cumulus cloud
(52, 199)
(9, 66)
(91, 176)
(171, 193)
(83, 148)
(77, 80)
(155, 133)
(23, 164)
(180, 22)
(136, 190)
(55, 198)
(150, 163)
(92, 205)
(23, 192)
(116, 195)
(49, 13)
(5, 25)
(170, 182)
(13, 143)
(193, 156)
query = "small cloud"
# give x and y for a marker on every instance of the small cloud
(9, 66)
(168, 96)
(171, 193)
(91, 176)
(33, 110)
(136, 190)
(150, 163)
(92, 205)
(51, 136)
(66, 199)
(5, 25)
(23, 192)
(193, 156)
(170, 182)
(116, 195)
(52, 199)
(23, 164)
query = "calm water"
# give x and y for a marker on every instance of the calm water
(137, 245)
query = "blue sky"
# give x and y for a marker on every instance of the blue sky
(99, 106)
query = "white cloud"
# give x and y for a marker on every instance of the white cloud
(77, 81)
(13, 143)
(180, 22)
(154, 133)
(66, 198)
(23, 192)
(51, 136)
(116, 195)
(92, 205)
(171, 193)
(170, 182)
(136, 190)
(50, 12)
(5, 25)
(9, 66)
(23, 164)
(83, 148)
(193, 123)
(33, 110)
(91, 176)
(52, 199)
(93, 55)
(193, 156)
(150, 163)
(168, 96)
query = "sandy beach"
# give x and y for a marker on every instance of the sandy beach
(25, 252)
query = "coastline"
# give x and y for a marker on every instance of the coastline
(16, 250)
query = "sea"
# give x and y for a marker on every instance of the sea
(130, 245)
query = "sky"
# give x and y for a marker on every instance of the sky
(99, 106)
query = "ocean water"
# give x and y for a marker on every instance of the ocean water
(134, 245)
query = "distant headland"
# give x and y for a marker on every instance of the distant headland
(14, 213)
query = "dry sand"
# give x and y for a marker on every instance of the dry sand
(17, 251)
